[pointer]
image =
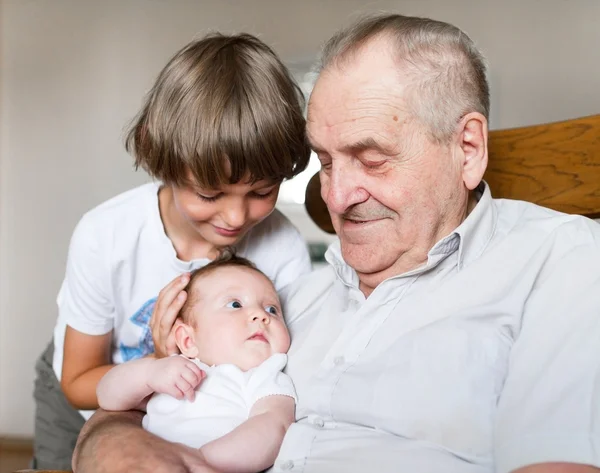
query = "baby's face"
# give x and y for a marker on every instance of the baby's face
(238, 318)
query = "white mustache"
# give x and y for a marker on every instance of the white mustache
(364, 213)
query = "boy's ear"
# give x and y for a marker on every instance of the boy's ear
(184, 337)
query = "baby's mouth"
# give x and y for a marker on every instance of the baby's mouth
(259, 337)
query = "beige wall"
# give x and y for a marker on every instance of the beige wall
(73, 73)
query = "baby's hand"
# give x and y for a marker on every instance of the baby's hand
(175, 375)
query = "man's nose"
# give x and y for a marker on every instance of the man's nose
(342, 187)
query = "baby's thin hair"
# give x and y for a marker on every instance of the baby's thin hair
(227, 257)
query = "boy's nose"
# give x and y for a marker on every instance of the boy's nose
(235, 214)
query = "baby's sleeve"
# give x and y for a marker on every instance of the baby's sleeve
(268, 379)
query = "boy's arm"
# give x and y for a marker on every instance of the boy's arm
(128, 385)
(86, 359)
(257, 441)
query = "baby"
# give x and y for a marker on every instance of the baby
(227, 389)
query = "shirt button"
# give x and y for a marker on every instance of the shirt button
(287, 465)
(319, 422)
(338, 360)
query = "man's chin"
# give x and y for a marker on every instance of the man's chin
(364, 259)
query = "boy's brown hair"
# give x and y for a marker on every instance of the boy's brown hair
(224, 107)
(226, 258)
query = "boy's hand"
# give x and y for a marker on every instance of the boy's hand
(168, 304)
(176, 376)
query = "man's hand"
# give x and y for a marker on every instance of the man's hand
(114, 442)
(176, 376)
(168, 304)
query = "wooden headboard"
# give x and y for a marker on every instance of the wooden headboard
(556, 165)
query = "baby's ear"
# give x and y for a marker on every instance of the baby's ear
(184, 337)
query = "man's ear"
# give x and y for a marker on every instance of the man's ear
(184, 337)
(473, 144)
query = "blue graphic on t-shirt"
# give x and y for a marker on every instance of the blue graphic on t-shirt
(145, 345)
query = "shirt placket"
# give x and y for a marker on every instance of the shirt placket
(361, 320)
(364, 319)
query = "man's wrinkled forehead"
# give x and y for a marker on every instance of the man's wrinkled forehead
(349, 111)
(371, 75)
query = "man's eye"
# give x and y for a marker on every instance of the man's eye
(271, 309)
(373, 164)
(234, 305)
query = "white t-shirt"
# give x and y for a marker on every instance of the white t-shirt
(223, 402)
(120, 258)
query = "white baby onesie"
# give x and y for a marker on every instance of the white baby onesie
(223, 401)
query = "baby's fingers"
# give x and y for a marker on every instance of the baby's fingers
(190, 395)
(187, 389)
(194, 375)
(175, 392)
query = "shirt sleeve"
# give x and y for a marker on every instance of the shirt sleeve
(269, 380)
(549, 409)
(84, 300)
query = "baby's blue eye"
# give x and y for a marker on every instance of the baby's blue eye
(271, 309)
(234, 305)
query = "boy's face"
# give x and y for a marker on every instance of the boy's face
(222, 217)
(238, 318)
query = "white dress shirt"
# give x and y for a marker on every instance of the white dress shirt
(485, 359)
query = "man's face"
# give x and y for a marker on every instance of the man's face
(238, 318)
(391, 192)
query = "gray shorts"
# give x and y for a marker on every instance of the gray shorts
(57, 423)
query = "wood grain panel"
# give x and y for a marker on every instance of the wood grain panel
(555, 165)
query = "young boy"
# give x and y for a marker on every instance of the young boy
(219, 131)
(226, 390)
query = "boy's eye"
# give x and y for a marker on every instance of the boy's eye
(234, 305)
(271, 309)
(263, 194)
(208, 198)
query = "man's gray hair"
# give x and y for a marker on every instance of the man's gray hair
(447, 72)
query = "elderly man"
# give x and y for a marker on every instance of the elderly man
(450, 333)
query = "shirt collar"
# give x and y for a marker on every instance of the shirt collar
(345, 272)
(478, 228)
(470, 238)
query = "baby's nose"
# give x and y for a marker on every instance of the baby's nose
(259, 316)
